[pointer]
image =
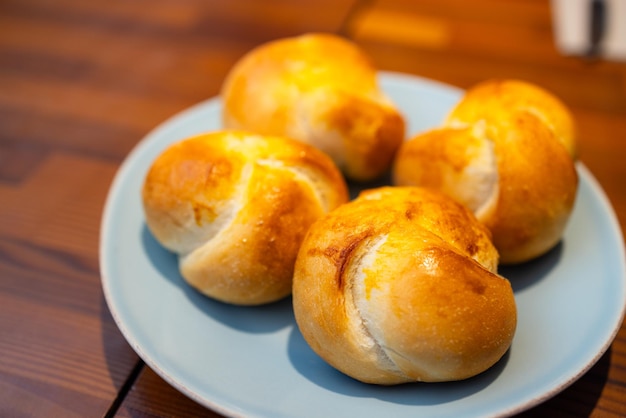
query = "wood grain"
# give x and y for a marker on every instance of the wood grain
(58, 341)
(82, 82)
(141, 400)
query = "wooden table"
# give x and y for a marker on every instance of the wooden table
(81, 82)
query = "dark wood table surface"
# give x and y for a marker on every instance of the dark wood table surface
(81, 82)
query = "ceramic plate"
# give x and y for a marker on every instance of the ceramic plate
(252, 361)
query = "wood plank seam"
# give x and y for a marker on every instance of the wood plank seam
(124, 390)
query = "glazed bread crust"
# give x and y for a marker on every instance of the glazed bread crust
(320, 89)
(235, 206)
(494, 100)
(507, 152)
(400, 285)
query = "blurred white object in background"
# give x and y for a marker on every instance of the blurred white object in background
(590, 27)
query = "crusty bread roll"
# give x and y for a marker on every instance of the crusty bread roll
(320, 89)
(400, 285)
(502, 158)
(235, 206)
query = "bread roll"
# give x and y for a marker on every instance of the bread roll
(235, 206)
(320, 89)
(400, 285)
(502, 158)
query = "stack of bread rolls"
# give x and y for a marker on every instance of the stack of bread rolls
(400, 284)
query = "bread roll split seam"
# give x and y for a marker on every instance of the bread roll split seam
(368, 337)
(358, 310)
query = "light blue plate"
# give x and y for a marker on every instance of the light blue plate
(253, 361)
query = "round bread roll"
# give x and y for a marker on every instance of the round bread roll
(235, 206)
(504, 162)
(400, 285)
(320, 89)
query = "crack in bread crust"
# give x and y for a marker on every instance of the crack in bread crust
(226, 217)
(308, 171)
(362, 254)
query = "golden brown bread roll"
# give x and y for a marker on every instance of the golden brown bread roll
(235, 206)
(400, 285)
(320, 89)
(502, 158)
